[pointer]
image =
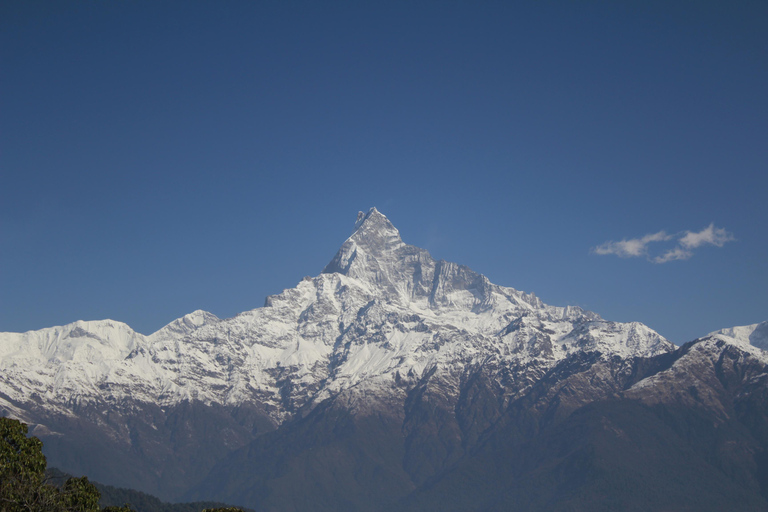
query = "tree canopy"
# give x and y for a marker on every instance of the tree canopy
(23, 484)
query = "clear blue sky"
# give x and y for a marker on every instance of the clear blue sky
(162, 157)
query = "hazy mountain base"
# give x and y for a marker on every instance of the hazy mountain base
(581, 438)
(158, 450)
(614, 455)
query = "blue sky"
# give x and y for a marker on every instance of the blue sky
(162, 157)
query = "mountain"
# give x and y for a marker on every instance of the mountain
(394, 380)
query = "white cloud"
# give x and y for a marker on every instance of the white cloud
(678, 253)
(686, 241)
(709, 235)
(631, 248)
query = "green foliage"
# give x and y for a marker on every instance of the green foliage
(22, 470)
(23, 483)
(80, 495)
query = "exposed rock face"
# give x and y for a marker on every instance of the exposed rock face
(379, 380)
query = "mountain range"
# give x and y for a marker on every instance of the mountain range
(396, 381)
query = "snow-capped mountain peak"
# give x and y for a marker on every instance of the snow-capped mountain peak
(385, 331)
(78, 341)
(370, 249)
(381, 308)
(186, 324)
(751, 338)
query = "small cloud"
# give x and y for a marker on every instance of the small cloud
(631, 248)
(678, 253)
(709, 235)
(686, 241)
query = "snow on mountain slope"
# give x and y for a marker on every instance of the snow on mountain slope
(748, 337)
(185, 325)
(702, 372)
(380, 312)
(79, 341)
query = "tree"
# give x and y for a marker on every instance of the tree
(23, 486)
(80, 495)
(22, 470)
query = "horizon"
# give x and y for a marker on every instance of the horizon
(164, 158)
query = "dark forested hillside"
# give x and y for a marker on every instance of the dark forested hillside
(137, 500)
